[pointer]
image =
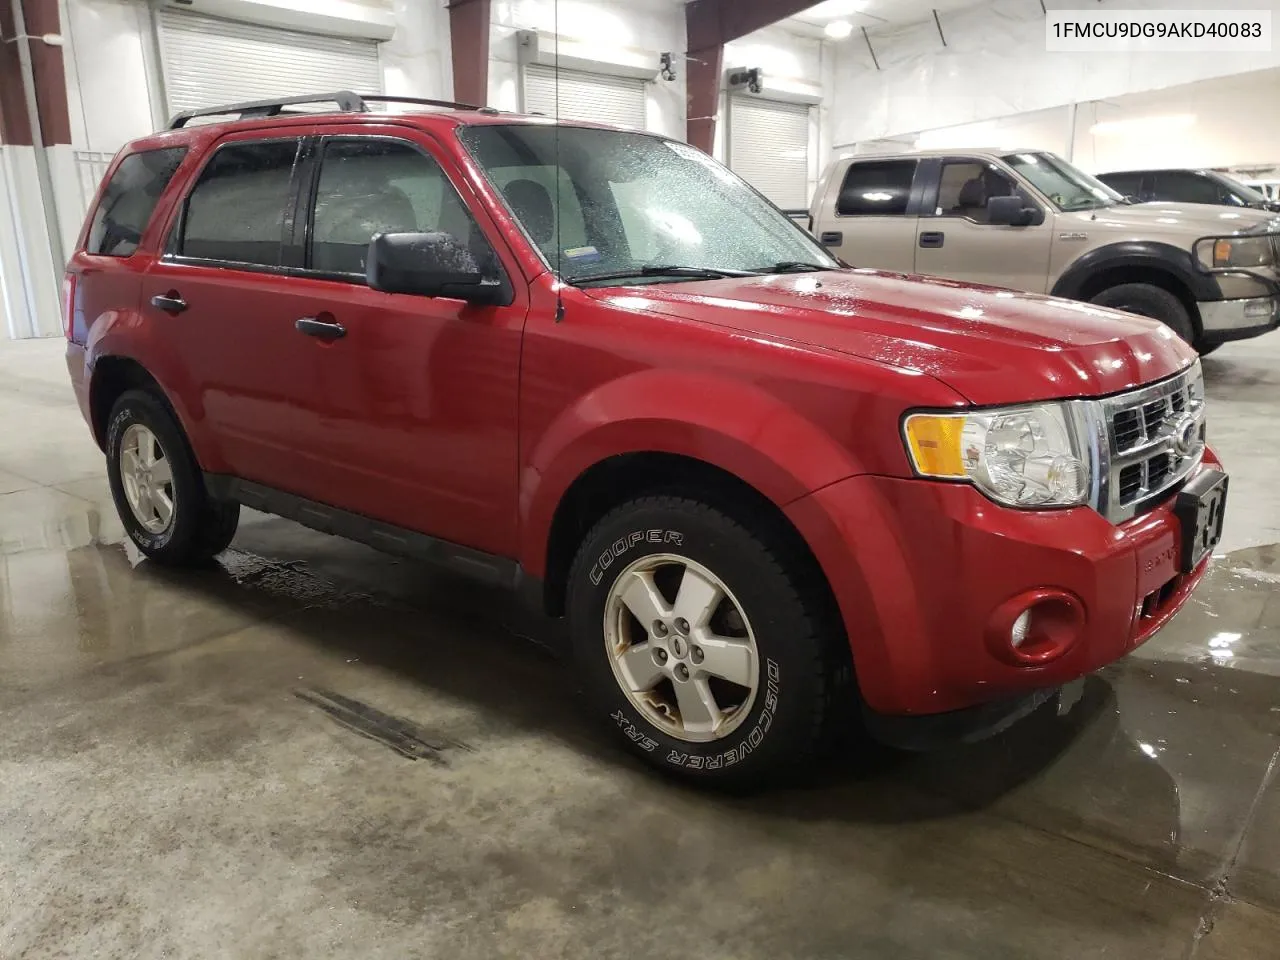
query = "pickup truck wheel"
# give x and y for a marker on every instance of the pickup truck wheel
(157, 487)
(697, 644)
(1148, 300)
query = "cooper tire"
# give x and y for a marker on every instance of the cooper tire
(1148, 300)
(199, 527)
(799, 667)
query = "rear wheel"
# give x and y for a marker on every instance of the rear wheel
(157, 486)
(702, 642)
(1148, 300)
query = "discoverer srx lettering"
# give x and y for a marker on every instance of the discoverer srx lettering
(753, 739)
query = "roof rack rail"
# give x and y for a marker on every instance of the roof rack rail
(346, 101)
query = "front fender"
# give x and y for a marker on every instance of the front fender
(1151, 254)
(729, 424)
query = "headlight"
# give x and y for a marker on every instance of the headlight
(1020, 456)
(1243, 252)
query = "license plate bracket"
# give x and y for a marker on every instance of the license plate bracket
(1200, 508)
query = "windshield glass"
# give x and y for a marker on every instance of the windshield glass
(606, 203)
(1246, 193)
(1065, 186)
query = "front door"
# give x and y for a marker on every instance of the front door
(221, 301)
(955, 239)
(420, 393)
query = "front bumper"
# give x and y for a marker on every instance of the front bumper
(1223, 320)
(920, 568)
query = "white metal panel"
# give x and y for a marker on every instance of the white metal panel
(769, 148)
(208, 61)
(596, 97)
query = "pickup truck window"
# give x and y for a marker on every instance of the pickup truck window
(129, 199)
(966, 186)
(1067, 187)
(236, 211)
(876, 188)
(1185, 186)
(641, 202)
(370, 186)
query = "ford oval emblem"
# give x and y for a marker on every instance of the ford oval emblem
(1186, 435)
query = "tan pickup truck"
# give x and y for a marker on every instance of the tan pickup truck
(1029, 220)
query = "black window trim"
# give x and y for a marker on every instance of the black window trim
(102, 196)
(171, 254)
(935, 188)
(915, 194)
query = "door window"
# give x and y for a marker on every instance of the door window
(129, 199)
(236, 212)
(876, 188)
(368, 187)
(1186, 187)
(1126, 184)
(965, 186)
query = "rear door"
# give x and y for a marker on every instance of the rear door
(869, 214)
(955, 238)
(222, 298)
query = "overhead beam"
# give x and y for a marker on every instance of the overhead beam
(469, 45)
(709, 25)
(49, 78)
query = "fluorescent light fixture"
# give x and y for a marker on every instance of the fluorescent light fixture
(1146, 125)
(838, 29)
(833, 9)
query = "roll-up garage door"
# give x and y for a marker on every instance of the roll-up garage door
(208, 61)
(769, 148)
(597, 97)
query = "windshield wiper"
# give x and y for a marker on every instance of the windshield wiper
(691, 273)
(794, 266)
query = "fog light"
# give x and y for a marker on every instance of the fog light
(1018, 633)
(1260, 309)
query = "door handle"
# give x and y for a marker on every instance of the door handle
(171, 302)
(932, 238)
(831, 238)
(314, 327)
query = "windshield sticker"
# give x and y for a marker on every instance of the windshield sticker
(582, 254)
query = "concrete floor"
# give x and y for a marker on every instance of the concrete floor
(177, 778)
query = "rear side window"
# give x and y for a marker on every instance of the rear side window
(236, 212)
(876, 188)
(129, 199)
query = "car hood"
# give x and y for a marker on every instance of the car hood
(1164, 217)
(990, 345)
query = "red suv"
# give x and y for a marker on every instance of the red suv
(759, 484)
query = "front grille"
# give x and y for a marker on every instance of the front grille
(1155, 437)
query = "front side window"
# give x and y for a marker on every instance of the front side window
(1239, 194)
(876, 188)
(236, 212)
(1068, 188)
(129, 199)
(965, 187)
(625, 206)
(372, 186)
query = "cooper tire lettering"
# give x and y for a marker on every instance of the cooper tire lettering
(625, 543)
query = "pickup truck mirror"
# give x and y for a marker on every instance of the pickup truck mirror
(1013, 212)
(429, 265)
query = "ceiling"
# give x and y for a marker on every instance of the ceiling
(872, 14)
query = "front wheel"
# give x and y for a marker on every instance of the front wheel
(701, 642)
(1148, 300)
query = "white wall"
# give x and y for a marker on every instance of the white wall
(794, 63)
(995, 65)
(612, 26)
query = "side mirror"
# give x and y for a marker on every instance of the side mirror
(429, 265)
(1012, 212)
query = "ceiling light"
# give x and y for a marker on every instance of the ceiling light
(838, 29)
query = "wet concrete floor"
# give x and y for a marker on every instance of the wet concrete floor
(316, 750)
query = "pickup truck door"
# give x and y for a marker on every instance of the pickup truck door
(954, 239)
(420, 393)
(868, 215)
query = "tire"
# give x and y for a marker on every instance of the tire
(1148, 300)
(1207, 348)
(776, 730)
(197, 527)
